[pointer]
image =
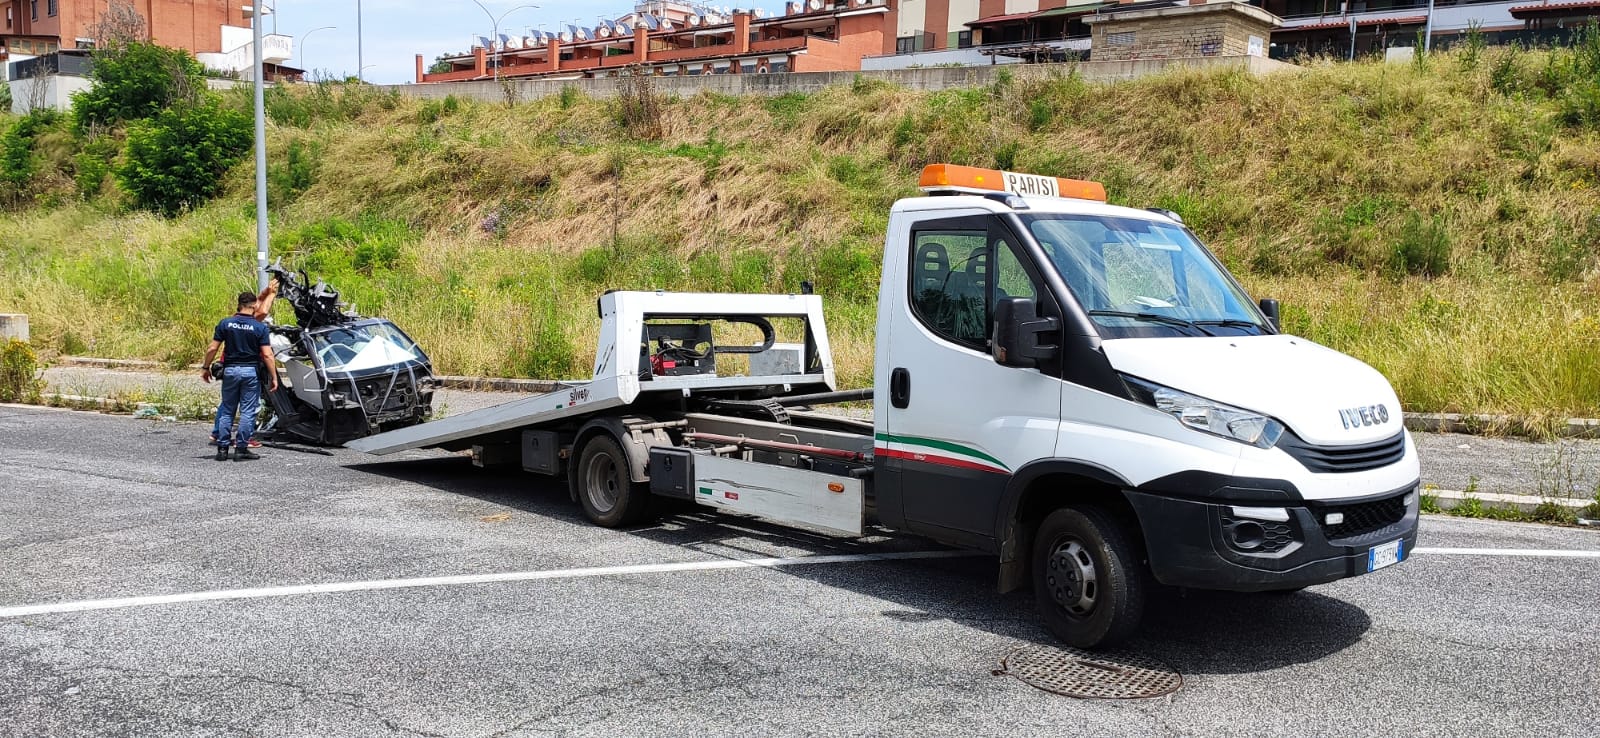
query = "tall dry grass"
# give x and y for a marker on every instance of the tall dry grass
(1437, 220)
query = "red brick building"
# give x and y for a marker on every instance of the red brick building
(36, 27)
(675, 38)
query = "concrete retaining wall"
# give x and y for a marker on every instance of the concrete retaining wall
(13, 325)
(930, 79)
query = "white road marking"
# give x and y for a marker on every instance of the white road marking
(1536, 552)
(606, 571)
(517, 576)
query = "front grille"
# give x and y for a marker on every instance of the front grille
(1344, 459)
(1277, 535)
(1361, 518)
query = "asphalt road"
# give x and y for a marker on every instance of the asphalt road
(95, 507)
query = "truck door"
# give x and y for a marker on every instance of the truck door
(957, 424)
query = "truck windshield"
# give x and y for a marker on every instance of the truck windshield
(354, 348)
(1138, 277)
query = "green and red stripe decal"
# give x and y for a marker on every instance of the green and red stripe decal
(935, 451)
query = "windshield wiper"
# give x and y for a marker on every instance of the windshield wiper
(1230, 323)
(1152, 318)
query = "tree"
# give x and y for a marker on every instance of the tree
(175, 161)
(18, 161)
(5, 97)
(119, 26)
(137, 81)
(441, 64)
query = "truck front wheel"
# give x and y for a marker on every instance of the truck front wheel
(607, 491)
(1087, 578)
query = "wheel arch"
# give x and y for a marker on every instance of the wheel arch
(1035, 491)
(635, 444)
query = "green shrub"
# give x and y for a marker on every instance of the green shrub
(596, 264)
(176, 160)
(337, 247)
(1503, 76)
(18, 160)
(135, 82)
(1472, 46)
(5, 96)
(93, 163)
(1580, 104)
(1570, 253)
(570, 95)
(291, 176)
(790, 106)
(1423, 248)
(548, 350)
(19, 373)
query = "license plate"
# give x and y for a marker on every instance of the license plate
(1388, 554)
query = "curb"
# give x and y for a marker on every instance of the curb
(1482, 424)
(494, 384)
(471, 384)
(1422, 422)
(115, 363)
(1449, 499)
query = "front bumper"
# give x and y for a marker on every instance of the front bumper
(1197, 544)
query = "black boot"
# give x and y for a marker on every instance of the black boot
(243, 453)
(222, 453)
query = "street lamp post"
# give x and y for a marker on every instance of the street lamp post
(1427, 31)
(359, 67)
(261, 150)
(307, 37)
(496, 31)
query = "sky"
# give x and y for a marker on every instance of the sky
(393, 32)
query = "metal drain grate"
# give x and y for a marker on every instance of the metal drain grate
(1086, 675)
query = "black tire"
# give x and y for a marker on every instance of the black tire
(1087, 578)
(604, 487)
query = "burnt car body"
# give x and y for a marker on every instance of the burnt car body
(342, 376)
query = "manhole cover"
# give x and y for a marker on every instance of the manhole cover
(1086, 675)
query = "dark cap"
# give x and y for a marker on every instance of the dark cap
(246, 298)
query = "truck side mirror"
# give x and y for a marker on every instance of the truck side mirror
(1022, 339)
(1269, 308)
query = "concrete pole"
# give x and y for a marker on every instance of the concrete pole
(359, 65)
(262, 240)
(1427, 31)
(1352, 38)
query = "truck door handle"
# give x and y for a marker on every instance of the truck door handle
(900, 387)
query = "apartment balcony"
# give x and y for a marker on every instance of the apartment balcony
(1446, 18)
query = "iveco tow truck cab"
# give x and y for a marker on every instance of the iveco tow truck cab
(1078, 388)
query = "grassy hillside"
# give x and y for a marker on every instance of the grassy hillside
(1438, 220)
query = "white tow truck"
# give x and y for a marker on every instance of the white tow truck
(1077, 388)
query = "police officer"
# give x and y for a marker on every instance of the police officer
(246, 345)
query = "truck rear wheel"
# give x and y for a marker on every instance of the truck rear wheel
(1087, 578)
(605, 487)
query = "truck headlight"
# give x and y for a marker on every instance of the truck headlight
(1208, 416)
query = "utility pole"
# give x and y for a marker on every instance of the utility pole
(1352, 38)
(359, 66)
(1427, 31)
(262, 240)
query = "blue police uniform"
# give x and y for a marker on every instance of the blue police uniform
(242, 337)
